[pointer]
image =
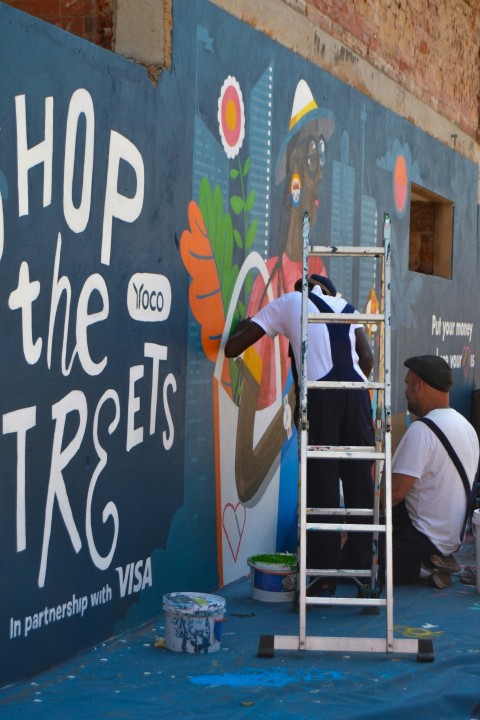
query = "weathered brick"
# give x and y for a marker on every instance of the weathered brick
(77, 8)
(72, 25)
(429, 47)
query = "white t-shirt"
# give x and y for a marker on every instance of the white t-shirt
(284, 316)
(436, 502)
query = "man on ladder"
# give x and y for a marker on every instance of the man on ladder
(336, 417)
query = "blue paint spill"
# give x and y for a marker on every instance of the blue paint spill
(265, 678)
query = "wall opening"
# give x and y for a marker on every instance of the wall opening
(431, 233)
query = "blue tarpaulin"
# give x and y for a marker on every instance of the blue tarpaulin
(133, 676)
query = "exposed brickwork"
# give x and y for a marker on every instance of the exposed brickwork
(430, 48)
(89, 19)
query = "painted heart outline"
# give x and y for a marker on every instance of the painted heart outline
(233, 520)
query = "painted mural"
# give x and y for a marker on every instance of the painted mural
(138, 225)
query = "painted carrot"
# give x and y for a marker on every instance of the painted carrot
(205, 294)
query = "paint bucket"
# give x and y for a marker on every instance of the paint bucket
(273, 578)
(193, 622)
(476, 532)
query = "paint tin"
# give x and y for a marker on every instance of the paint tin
(476, 532)
(193, 622)
(273, 578)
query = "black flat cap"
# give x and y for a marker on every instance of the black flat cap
(433, 370)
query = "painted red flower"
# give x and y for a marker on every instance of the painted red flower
(231, 117)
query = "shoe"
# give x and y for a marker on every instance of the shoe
(445, 563)
(468, 575)
(320, 588)
(440, 580)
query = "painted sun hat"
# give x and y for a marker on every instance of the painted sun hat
(304, 111)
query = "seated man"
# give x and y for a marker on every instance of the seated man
(428, 497)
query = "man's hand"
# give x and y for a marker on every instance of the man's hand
(247, 333)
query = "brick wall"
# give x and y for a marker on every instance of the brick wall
(430, 48)
(90, 19)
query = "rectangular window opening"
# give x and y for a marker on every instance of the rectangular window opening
(431, 233)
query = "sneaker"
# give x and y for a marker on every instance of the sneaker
(440, 580)
(445, 563)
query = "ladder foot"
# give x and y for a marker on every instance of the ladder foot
(425, 651)
(266, 647)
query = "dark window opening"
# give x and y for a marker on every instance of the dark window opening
(431, 233)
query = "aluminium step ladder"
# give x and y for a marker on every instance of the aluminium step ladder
(369, 596)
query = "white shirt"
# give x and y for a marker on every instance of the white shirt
(436, 502)
(284, 316)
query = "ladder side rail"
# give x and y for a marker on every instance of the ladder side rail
(302, 578)
(387, 237)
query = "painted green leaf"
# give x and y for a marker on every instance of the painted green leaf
(250, 237)
(238, 239)
(237, 204)
(250, 201)
(246, 167)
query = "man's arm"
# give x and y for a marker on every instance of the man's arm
(401, 485)
(364, 352)
(247, 333)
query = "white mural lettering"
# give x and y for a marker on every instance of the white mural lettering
(18, 422)
(80, 104)
(75, 401)
(27, 158)
(110, 509)
(117, 205)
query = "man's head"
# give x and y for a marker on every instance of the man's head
(326, 285)
(428, 381)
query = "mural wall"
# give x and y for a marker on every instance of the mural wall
(138, 224)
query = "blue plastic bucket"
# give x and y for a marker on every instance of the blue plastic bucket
(273, 578)
(193, 622)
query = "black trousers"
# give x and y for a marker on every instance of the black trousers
(339, 417)
(410, 548)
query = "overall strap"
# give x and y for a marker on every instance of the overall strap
(339, 336)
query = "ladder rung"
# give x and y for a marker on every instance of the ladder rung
(347, 453)
(345, 601)
(347, 250)
(345, 527)
(316, 572)
(342, 512)
(344, 385)
(346, 318)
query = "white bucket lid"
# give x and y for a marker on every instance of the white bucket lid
(191, 603)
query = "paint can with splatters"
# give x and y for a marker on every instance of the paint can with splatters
(193, 622)
(476, 532)
(273, 577)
